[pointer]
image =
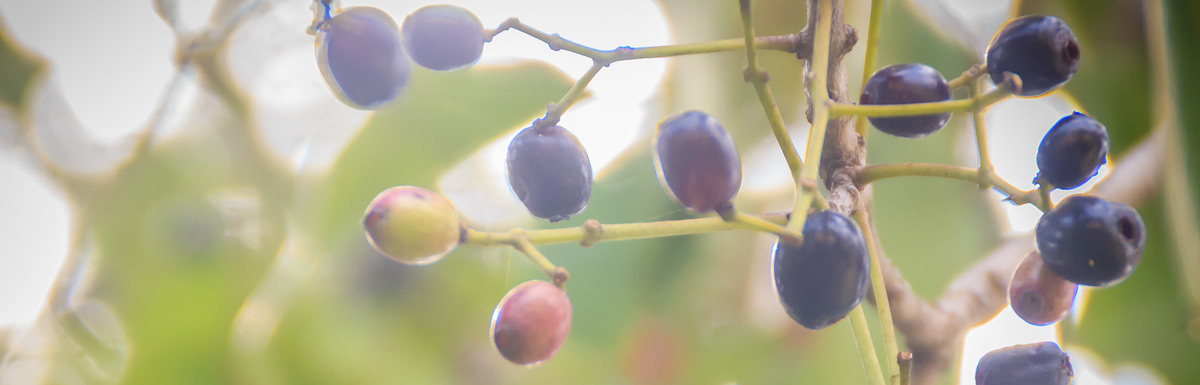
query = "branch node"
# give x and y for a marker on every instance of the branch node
(592, 231)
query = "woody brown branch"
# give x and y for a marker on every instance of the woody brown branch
(844, 150)
(935, 331)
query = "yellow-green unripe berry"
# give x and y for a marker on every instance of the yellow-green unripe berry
(411, 225)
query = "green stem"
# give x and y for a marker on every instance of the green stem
(985, 161)
(759, 224)
(614, 232)
(877, 172)
(1044, 194)
(968, 76)
(558, 109)
(872, 50)
(975, 103)
(882, 304)
(862, 336)
(765, 97)
(785, 43)
(806, 186)
(521, 242)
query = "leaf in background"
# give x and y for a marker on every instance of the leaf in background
(17, 70)
(439, 119)
(1183, 170)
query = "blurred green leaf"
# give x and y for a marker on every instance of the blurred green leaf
(441, 118)
(17, 70)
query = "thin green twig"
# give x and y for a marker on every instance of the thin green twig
(877, 172)
(975, 103)
(862, 336)
(785, 43)
(558, 109)
(882, 304)
(521, 242)
(872, 51)
(614, 232)
(758, 78)
(806, 186)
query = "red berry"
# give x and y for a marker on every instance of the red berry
(531, 322)
(1039, 296)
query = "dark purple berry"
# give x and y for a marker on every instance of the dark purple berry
(1039, 296)
(360, 56)
(443, 37)
(1040, 49)
(697, 161)
(824, 278)
(550, 172)
(531, 322)
(904, 84)
(1072, 152)
(1041, 363)
(1091, 241)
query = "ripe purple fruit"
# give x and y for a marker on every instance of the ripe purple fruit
(903, 84)
(1072, 151)
(443, 37)
(550, 172)
(531, 322)
(411, 225)
(1041, 363)
(361, 58)
(697, 161)
(824, 278)
(1091, 241)
(1040, 49)
(1037, 295)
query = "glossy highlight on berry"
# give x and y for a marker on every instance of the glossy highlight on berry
(823, 279)
(1039, 296)
(531, 322)
(443, 37)
(412, 225)
(1040, 49)
(361, 58)
(550, 172)
(1091, 241)
(904, 84)
(1042, 363)
(1072, 152)
(697, 161)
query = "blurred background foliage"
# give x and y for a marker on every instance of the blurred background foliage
(192, 264)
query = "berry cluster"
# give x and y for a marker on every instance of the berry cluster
(364, 56)
(821, 274)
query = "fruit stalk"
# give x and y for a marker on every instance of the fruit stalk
(872, 51)
(985, 161)
(806, 185)
(555, 112)
(968, 76)
(877, 172)
(914, 109)
(797, 43)
(521, 242)
(879, 287)
(862, 335)
(615, 232)
(758, 78)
